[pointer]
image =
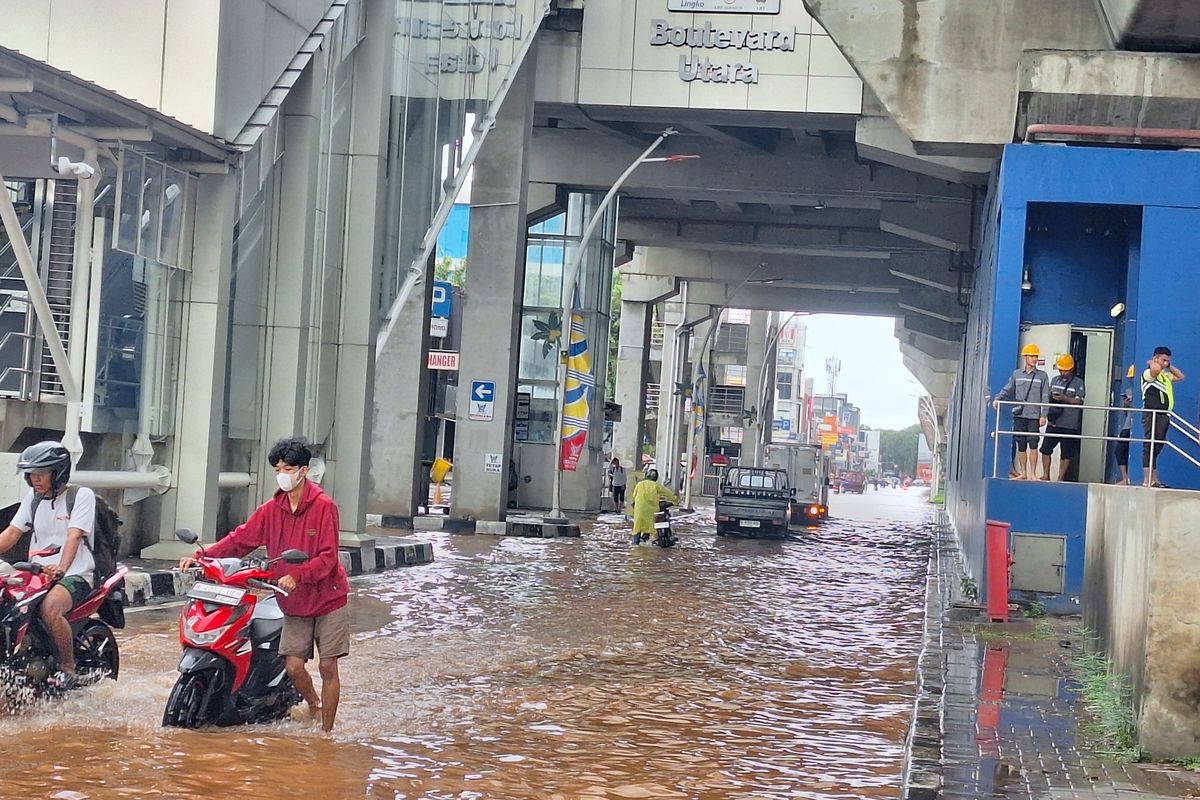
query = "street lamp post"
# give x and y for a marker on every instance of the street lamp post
(570, 277)
(692, 422)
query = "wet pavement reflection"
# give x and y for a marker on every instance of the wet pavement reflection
(523, 668)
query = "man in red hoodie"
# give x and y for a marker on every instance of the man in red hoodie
(300, 516)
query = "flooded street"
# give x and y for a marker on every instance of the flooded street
(528, 668)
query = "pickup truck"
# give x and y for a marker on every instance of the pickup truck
(753, 501)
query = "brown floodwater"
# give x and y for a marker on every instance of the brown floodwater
(525, 668)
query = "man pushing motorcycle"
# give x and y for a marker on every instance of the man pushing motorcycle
(301, 516)
(45, 510)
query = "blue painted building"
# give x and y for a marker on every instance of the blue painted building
(1085, 228)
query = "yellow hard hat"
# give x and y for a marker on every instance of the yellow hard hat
(1065, 362)
(1130, 372)
(1030, 350)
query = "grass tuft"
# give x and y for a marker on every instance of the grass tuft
(1108, 698)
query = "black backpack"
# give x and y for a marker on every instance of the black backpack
(106, 534)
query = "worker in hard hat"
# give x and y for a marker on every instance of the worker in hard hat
(1029, 387)
(1065, 418)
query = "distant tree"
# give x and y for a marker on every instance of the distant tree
(899, 447)
(444, 269)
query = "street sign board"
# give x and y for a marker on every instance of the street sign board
(483, 401)
(725, 6)
(439, 327)
(493, 463)
(445, 360)
(522, 410)
(442, 293)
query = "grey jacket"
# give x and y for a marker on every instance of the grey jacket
(1032, 389)
(1072, 416)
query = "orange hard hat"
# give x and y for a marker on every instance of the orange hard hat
(1065, 362)
(1030, 350)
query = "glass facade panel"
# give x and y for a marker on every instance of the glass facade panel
(451, 59)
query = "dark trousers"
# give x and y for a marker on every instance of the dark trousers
(1123, 448)
(618, 493)
(1155, 423)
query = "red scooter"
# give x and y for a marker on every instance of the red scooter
(231, 672)
(27, 657)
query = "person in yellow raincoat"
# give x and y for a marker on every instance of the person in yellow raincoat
(645, 505)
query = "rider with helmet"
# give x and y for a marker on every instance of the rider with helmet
(47, 469)
(645, 499)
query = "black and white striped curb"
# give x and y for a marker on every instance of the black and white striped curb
(144, 585)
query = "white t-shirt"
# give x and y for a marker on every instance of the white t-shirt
(50, 528)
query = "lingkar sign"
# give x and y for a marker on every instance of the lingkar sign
(725, 6)
(664, 34)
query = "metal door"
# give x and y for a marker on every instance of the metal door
(1096, 376)
(1039, 563)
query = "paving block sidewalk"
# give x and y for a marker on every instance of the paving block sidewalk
(998, 713)
(150, 581)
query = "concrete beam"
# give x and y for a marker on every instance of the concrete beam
(1153, 24)
(945, 70)
(946, 228)
(652, 209)
(770, 298)
(793, 175)
(800, 272)
(880, 139)
(931, 327)
(641, 288)
(1147, 90)
(737, 236)
(929, 345)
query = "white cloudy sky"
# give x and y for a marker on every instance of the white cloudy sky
(873, 374)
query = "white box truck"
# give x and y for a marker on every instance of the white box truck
(808, 474)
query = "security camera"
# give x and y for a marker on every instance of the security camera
(80, 169)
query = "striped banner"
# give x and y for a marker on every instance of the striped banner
(577, 402)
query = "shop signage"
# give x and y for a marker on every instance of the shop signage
(694, 68)
(725, 6)
(444, 360)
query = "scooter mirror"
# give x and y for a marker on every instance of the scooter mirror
(187, 535)
(294, 556)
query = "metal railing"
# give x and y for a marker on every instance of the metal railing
(726, 400)
(1189, 431)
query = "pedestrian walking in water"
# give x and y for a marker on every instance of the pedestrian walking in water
(1158, 400)
(617, 481)
(1031, 387)
(1065, 417)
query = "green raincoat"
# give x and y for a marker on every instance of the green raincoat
(645, 504)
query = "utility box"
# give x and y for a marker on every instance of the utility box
(1039, 563)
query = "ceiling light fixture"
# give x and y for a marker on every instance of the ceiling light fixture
(1026, 280)
(1117, 310)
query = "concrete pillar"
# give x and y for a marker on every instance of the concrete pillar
(756, 365)
(289, 298)
(633, 353)
(492, 309)
(667, 434)
(349, 455)
(195, 462)
(700, 333)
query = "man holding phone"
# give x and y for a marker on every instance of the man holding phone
(1158, 400)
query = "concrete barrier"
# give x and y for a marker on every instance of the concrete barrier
(1141, 581)
(154, 581)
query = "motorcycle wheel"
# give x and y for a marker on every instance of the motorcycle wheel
(191, 702)
(96, 650)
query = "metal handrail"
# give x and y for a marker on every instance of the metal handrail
(8, 248)
(998, 432)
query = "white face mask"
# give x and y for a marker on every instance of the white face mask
(287, 480)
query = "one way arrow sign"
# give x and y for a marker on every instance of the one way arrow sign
(483, 401)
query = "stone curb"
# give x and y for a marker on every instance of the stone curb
(155, 585)
(517, 526)
(922, 777)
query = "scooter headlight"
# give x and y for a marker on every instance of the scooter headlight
(202, 637)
